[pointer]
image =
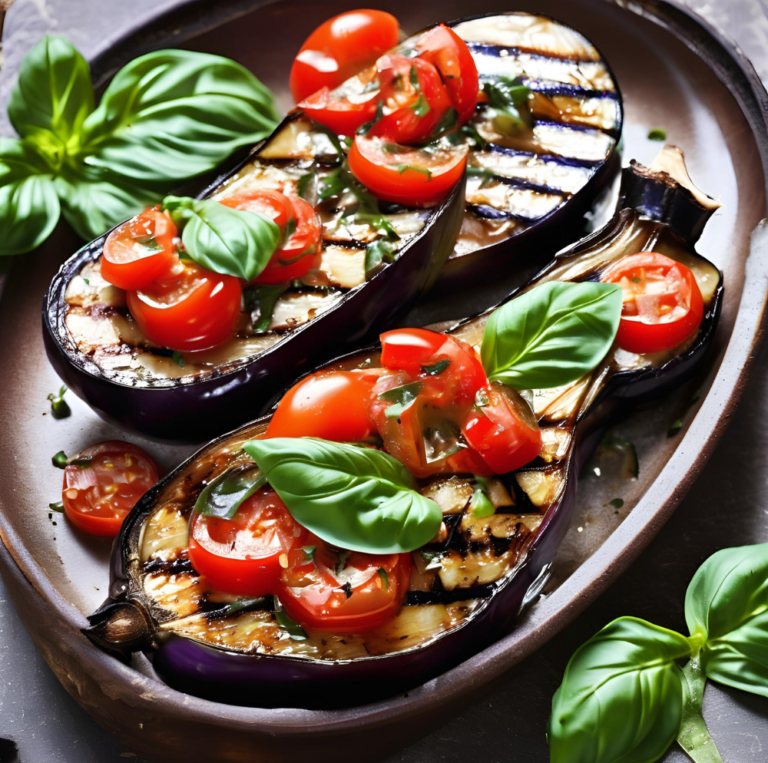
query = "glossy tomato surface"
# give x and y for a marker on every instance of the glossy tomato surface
(267, 202)
(104, 483)
(340, 113)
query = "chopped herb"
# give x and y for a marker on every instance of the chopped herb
(408, 52)
(224, 495)
(59, 407)
(487, 175)
(391, 148)
(341, 561)
(436, 369)
(87, 281)
(446, 124)
(401, 397)
(379, 222)
(310, 552)
(291, 627)
(260, 301)
(58, 506)
(245, 605)
(81, 463)
(617, 503)
(480, 504)
(433, 559)
(677, 425)
(657, 133)
(509, 100)
(402, 167)
(302, 184)
(311, 249)
(152, 245)
(60, 460)
(365, 128)
(376, 253)
(467, 132)
(333, 184)
(384, 578)
(178, 359)
(421, 107)
(622, 445)
(348, 141)
(290, 229)
(414, 78)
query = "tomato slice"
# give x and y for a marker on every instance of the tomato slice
(414, 97)
(343, 592)
(404, 174)
(442, 47)
(340, 48)
(332, 405)
(341, 113)
(140, 250)
(105, 484)
(503, 431)
(272, 204)
(193, 310)
(246, 555)
(302, 251)
(662, 306)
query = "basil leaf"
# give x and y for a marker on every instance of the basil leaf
(401, 167)
(222, 239)
(551, 335)
(223, 496)
(353, 497)
(622, 696)
(402, 397)
(291, 627)
(376, 253)
(173, 114)
(261, 299)
(59, 407)
(52, 97)
(436, 369)
(727, 605)
(508, 98)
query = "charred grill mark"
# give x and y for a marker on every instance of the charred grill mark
(491, 213)
(528, 185)
(567, 161)
(418, 598)
(175, 566)
(504, 51)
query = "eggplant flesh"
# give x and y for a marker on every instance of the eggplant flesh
(468, 583)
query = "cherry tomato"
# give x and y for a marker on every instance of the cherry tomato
(193, 310)
(340, 48)
(504, 431)
(245, 555)
(272, 204)
(321, 591)
(331, 405)
(403, 174)
(139, 251)
(663, 305)
(105, 484)
(442, 47)
(340, 113)
(414, 96)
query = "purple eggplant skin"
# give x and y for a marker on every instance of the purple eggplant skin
(198, 410)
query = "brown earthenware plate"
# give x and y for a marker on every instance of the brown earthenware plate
(676, 73)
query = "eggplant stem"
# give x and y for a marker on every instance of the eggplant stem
(694, 735)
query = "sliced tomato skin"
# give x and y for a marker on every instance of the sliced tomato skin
(330, 405)
(340, 48)
(194, 310)
(97, 497)
(245, 555)
(409, 349)
(635, 335)
(128, 265)
(338, 113)
(269, 203)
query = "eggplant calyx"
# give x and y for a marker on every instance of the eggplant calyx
(120, 628)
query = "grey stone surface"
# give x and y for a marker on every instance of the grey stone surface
(728, 506)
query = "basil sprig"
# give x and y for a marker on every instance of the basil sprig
(551, 335)
(166, 117)
(353, 497)
(230, 241)
(626, 695)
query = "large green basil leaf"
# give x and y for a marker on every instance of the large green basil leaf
(223, 239)
(353, 497)
(621, 700)
(551, 335)
(29, 207)
(727, 604)
(173, 114)
(223, 496)
(52, 97)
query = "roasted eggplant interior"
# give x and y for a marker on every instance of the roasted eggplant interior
(469, 582)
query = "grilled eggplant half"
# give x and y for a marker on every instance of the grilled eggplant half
(469, 583)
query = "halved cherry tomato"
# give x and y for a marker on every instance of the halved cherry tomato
(193, 310)
(272, 204)
(414, 97)
(332, 405)
(344, 114)
(104, 484)
(403, 174)
(139, 251)
(340, 48)
(663, 305)
(442, 47)
(246, 555)
(302, 251)
(503, 431)
(324, 591)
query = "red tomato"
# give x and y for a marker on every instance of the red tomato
(321, 592)
(403, 174)
(442, 47)
(414, 96)
(272, 204)
(193, 310)
(245, 555)
(105, 485)
(332, 405)
(139, 251)
(342, 114)
(663, 305)
(504, 432)
(340, 48)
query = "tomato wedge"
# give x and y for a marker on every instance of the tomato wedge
(104, 484)
(343, 592)
(340, 113)
(332, 405)
(193, 310)
(403, 174)
(340, 48)
(246, 555)
(140, 250)
(662, 306)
